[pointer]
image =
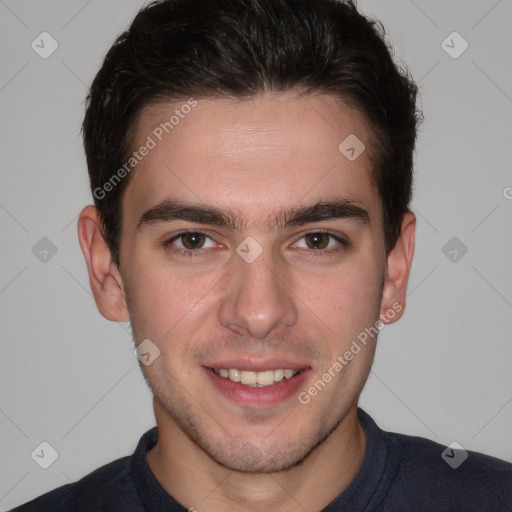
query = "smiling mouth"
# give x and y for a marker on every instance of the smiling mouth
(256, 379)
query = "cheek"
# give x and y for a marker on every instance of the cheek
(171, 306)
(345, 301)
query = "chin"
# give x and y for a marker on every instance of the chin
(248, 458)
(261, 455)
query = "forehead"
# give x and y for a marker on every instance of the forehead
(253, 157)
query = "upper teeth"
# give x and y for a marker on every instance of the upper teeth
(266, 378)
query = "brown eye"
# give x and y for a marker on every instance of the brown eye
(192, 240)
(322, 243)
(190, 243)
(317, 240)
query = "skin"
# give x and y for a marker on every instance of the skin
(255, 157)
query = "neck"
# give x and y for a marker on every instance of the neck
(196, 481)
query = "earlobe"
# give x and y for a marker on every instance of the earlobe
(398, 267)
(104, 278)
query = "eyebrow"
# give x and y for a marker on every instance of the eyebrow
(169, 211)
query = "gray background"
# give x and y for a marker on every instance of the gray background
(69, 377)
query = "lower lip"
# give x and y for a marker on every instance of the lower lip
(257, 396)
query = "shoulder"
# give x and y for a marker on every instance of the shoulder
(108, 488)
(453, 478)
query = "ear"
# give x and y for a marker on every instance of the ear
(398, 266)
(104, 277)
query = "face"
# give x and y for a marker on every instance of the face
(251, 245)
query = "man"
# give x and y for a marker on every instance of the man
(251, 166)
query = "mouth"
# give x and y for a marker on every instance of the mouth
(256, 379)
(256, 386)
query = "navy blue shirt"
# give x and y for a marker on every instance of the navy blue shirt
(398, 473)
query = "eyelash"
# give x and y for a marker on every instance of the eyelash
(191, 253)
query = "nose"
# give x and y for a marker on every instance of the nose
(257, 298)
